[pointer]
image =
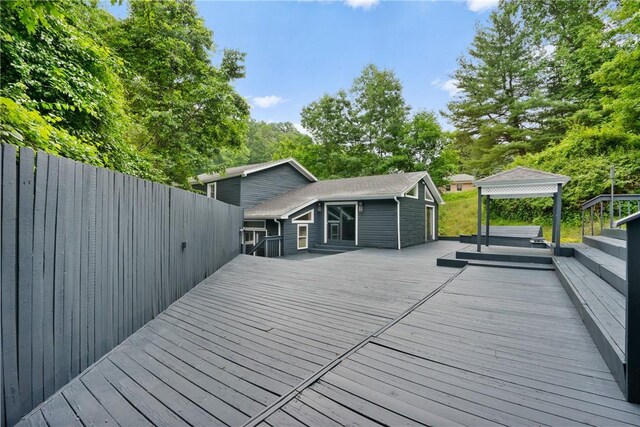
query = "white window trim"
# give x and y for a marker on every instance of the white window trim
(412, 189)
(298, 237)
(295, 220)
(212, 186)
(427, 194)
(324, 225)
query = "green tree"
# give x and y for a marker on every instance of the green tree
(574, 33)
(619, 78)
(263, 139)
(368, 129)
(62, 79)
(186, 109)
(496, 114)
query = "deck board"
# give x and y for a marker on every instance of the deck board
(250, 333)
(493, 346)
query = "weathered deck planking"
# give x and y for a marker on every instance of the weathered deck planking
(493, 346)
(251, 333)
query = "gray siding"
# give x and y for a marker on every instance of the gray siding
(228, 191)
(269, 183)
(290, 231)
(377, 224)
(412, 218)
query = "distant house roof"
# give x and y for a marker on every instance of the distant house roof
(257, 167)
(522, 175)
(361, 188)
(461, 177)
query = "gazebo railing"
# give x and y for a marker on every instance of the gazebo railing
(608, 206)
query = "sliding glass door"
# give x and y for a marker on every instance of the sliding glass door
(341, 223)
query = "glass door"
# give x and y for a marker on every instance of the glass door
(341, 224)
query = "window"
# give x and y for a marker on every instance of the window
(248, 237)
(458, 187)
(447, 187)
(303, 236)
(305, 218)
(413, 193)
(335, 232)
(427, 194)
(212, 190)
(260, 224)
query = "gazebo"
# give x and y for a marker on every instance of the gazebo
(520, 183)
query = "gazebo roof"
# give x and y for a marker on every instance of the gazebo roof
(521, 182)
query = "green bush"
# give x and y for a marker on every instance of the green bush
(586, 156)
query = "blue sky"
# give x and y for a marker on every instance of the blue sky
(299, 50)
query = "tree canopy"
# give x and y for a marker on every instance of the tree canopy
(368, 129)
(553, 85)
(139, 95)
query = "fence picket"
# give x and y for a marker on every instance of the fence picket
(88, 256)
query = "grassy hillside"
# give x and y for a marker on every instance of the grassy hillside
(459, 215)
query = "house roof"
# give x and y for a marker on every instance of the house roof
(461, 177)
(257, 167)
(521, 176)
(361, 188)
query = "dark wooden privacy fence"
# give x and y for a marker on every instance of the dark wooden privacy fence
(88, 256)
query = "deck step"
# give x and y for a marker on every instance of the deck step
(514, 257)
(615, 233)
(602, 309)
(610, 245)
(515, 265)
(329, 249)
(610, 268)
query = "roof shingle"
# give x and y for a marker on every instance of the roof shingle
(365, 187)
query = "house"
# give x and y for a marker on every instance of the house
(249, 185)
(459, 182)
(284, 199)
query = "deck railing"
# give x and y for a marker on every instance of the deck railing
(607, 205)
(270, 244)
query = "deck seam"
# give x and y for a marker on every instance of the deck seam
(286, 398)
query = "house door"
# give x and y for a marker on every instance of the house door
(341, 224)
(251, 238)
(429, 223)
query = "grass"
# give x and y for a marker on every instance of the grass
(459, 216)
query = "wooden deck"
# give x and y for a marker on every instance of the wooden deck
(367, 337)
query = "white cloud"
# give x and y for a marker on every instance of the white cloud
(450, 86)
(364, 4)
(267, 101)
(481, 5)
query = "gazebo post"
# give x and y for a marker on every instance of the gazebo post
(553, 218)
(557, 219)
(488, 206)
(479, 218)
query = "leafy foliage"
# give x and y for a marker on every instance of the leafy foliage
(138, 95)
(586, 116)
(497, 115)
(186, 108)
(368, 129)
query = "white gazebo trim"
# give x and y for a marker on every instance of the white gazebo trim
(520, 183)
